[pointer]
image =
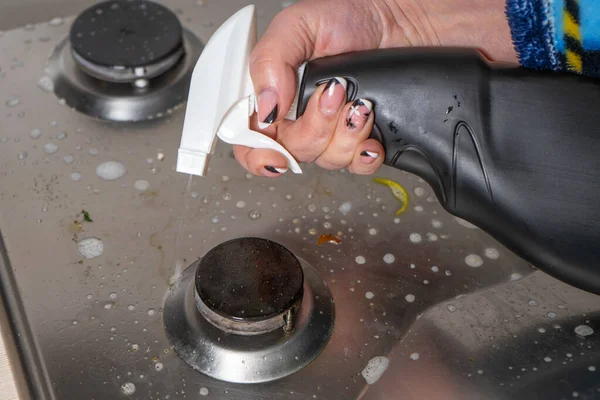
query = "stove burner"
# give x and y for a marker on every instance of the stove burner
(121, 41)
(125, 61)
(246, 286)
(248, 312)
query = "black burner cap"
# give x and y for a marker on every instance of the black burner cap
(131, 33)
(249, 279)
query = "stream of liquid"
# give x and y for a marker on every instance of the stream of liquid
(180, 231)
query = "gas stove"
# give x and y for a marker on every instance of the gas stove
(121, 278)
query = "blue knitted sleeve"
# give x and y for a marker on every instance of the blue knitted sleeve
(559, 35)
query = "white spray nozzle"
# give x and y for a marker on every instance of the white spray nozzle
(221, 97)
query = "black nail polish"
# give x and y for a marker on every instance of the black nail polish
(271, 169)
(272, 115)
(332, 82)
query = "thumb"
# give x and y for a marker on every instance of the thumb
(288, 41)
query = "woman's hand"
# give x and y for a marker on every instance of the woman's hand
(330, 132)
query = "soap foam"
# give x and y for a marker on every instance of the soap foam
(375, 369)
(91, 247)
(110, 170)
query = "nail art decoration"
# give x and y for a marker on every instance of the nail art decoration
(330, 87)
(275, 170)
(371, 154)
(268, 107)
(272, 115)
(359, 113)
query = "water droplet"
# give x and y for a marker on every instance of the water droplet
(389, 258)
(515, 276)
(541, 330)
(415, 238)
(108, 306)
(533, 303)
(204, 391)
(312, 208)
(22, 155)
(473, 260)
(448, 272)
(131, 307)
(360, 260)
(435, 268)
(410, 298)
(415, 356)
(45, 83)
(397, 220)
(93, 152)
(451, 308)
(110, 170)
(547, 359)
(240, 204)
(254, 214)
(89, 297)
(369, 295)
(312, 231)
(56, 21)
(35, 134)
(158, 366)
(226, 196)
(215, 219)
(90, 247)
(551, 315)
(419, 208)
(151, 312)
(13, 102)
(205, 200)
(141, 185)
(591, 368)
(128, 388)
(492, 253)
(584, 330)
(432, 237)
(436, 223)
(372, 231)
(50, 148)
(75, 176)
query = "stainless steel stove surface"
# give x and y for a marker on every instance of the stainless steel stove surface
(97, 228)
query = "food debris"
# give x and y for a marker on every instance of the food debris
(398, 192)
(328, 238)
(86, 216)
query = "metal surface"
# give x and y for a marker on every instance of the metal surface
(248, 359)
(118, 101)
(93, 345)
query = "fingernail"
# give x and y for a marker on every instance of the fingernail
(334, 95)
(267, 107)
(276, 170)
(368, 157)
(358, 113)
